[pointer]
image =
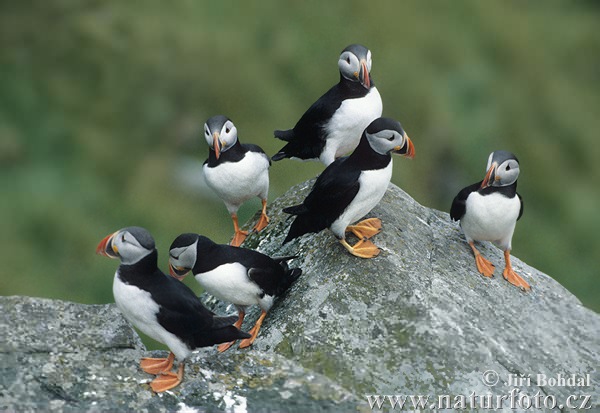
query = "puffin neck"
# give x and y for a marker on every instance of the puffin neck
(233, 154)
(354, 89)
(206, 252)
(141, 270)
(366, 158)
(508, 190)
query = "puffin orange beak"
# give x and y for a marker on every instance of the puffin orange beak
(107, 248)
(177, 273)
(490, 176)
(216, 144)
(408, 150)
(363, 76)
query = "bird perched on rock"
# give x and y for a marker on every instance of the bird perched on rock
(332, 126)
(237, 275)
(351, 186)
(488, 211)
(160, 306)
(235, 171)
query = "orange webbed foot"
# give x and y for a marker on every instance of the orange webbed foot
(167, 380)
(484, 266)
(511, 276)
(157, 365)
(362, 249)
(247, 342)
(366, 228)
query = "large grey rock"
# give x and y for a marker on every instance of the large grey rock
(417, 320)
(72, 357)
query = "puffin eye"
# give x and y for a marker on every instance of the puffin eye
(508, 167)
(123, 238)
(227, 130)
(391, 138)
(348, 60)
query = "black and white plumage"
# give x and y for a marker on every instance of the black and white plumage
(237, 275)
(160, 306)
(235, 171)
(488, 211)
(351, 186)
(333, 125)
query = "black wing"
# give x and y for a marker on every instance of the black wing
(183, 314)
(333, 191)
(520, 210)
(459, 204)
(307, 139)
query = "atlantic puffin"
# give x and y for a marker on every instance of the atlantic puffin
(237, 275)
(489, 210)
(160, 306)
(235, 171)
(351, 186)
(333, 125)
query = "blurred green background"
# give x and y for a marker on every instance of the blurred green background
(102, 105)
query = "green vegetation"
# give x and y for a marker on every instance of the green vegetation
(102, 106)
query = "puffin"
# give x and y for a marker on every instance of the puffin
(351, 186)
(235, 171)
(333, 125)
(237, 275)
(160, 306)
(489, 210)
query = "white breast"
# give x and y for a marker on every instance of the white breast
(230, 282)
(140, 310)
(236, 182)
(490, 218)
(348, 123)
(373, 185)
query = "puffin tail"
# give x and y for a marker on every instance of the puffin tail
(227, 334)
(284, 135)
(285, 152)
(304, 222)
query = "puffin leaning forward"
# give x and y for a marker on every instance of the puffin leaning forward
(235, 171)
(238, 275)
(351, 186)
(332, 126)
(488, 211)
(160, 306)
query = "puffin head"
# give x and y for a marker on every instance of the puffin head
(502, 169)
(220, 134)
(182, 255)
(355, 64)
(386, 136)
(129, 244)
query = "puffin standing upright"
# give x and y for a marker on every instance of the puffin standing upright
(488, 211)
(351, 186)
(160, 306)
(238, 275)
(235, 171)
(333, 125)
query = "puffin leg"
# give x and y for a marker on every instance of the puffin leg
(363, 248)
(167, 380)
(239, 235)
(366, 228)
(238, 324)
(264, 219)
(247, 342)
(484, 266)
(157, 365)
(511, 276)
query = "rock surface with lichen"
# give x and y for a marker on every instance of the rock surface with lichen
(417, 320)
